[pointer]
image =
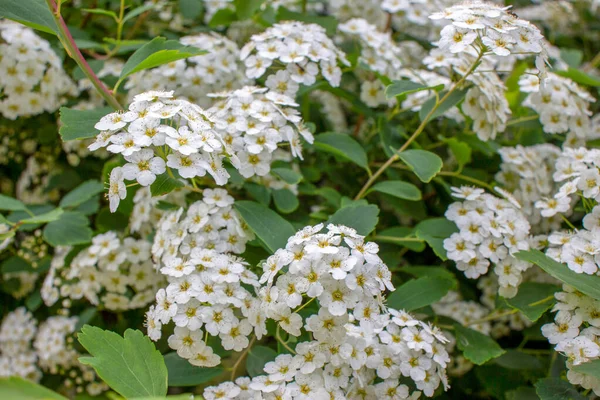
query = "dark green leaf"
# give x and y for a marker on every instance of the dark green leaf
(223, 17)
(360, 217)
(99, 11)
(452, 100)
(418, 293)
(82, 193)
(405, 86)
(16, 264)
(182, 373)
(70, 229)
(285, 200)
(522, 393)
(586, 284)
(401, 236)
(461, 151)
(259, 193)
(477, 347)
(269, 226)
(400, 189)
(34, 300)
(17, 388)
(515, 359)
(257, 358)
(33, 13)
(556, 389)
(45, 217)
(344, 146)
(190, 9)
(533, 299)
(430, 271)
(434, 231)
(288, 175)
(130, 365)
(164, 184)
(79, 124)
(423, 163)
(591, 368)
(138, 10)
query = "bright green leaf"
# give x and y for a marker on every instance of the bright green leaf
(344, 146)
(33, 13)
(405, 86)
(289, 176)
(257, 358)
(460, 150)
(157, 52)
(10, 204)
(245, 9)
(285, 200)
(182, 373)
(400, 189)
(130, 365)
(79, 124)
(580, 77)
(138, 10)
(477, 347)
(586, 284)
(452, 100)
(434, 231)
(99, 11)
(556, 389)
(45, 217)
(223, 17)
(423, 163)
(360, 217)
(418, 293)
(533, 299)
(269, 226)
(70, 229)
(164, 184)
(17, 388)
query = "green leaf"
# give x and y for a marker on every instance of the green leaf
(405, 86)
(330, 23)
(257, 358)
(515, 359)
(586, 284)
(434, 231)
(522, 393)
(16, 264)
(285, 200)
(452, 100)
(430, 271)
(288, 175)
(344, 146)
(591, 368)
(182, 373)
(190, 9)
(45, 217)
(70, 229)
(79, 124)
(82, 193)
(579, 77)
(533, 299)
(400, 189)
(556, 389)
(99, 11)
(418, 293)
(157, 52)
(34, 300)
(223, 17)
(33, 13)
(401, 236)
(460, 150)
(10, 204)
(17, 388)
(259, 193)
(360, 217)
(164, 184)
(268, 226)
(477, 347)
(137, 11)
(245, 9)
(131, 366)
(423, 163)
(572, 57)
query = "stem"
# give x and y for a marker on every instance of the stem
(68, 42)
(418, 131)
(542, 301)
(283, 343)
(467, 179)
(568, 222)
(304, 305)
(522, 119)
(239, 360)
(493, 317)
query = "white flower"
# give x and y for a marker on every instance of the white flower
(143, 166)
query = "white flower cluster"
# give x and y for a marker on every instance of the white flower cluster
(490, 231)
(146, 213)
(195, 77)
(176, 130)
(32, 80)
(580, 249)
(413, 16)
(345, 10)
(207, 282)
(579, 167)
(563, 105)
(465, 312)
(526, 172)
(355, 339)
(17, 358)
(304, 50)
(490, 28)
(116, 273)
(252, 122)
(576, 333)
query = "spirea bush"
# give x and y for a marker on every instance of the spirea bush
(299, 199)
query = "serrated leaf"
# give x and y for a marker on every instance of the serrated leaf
(586, 284)
(45, 217)
(79, 124)
(400, 189)
(130, 365)
(257, 358)
(533, 299)
(434, 231)
(418, 293)
(82, 193)
(556, 389)
(360, 217)
(288, 175)
(344, 146)
(477, 347)
(17, 388)
(32, 13)
(452, 100)
(157, 52)
(285, 201)
(182, 373)
(10, 204)
(423, 163)
(70, 229)
(164, 184)
(268, 226)
(405, 86)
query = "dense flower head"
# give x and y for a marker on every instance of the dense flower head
(303, 49)
(147, 213)
(18, 329)
(491, 229)
(32, 80)
(579, 169)
(193, 78)
(116, 273)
